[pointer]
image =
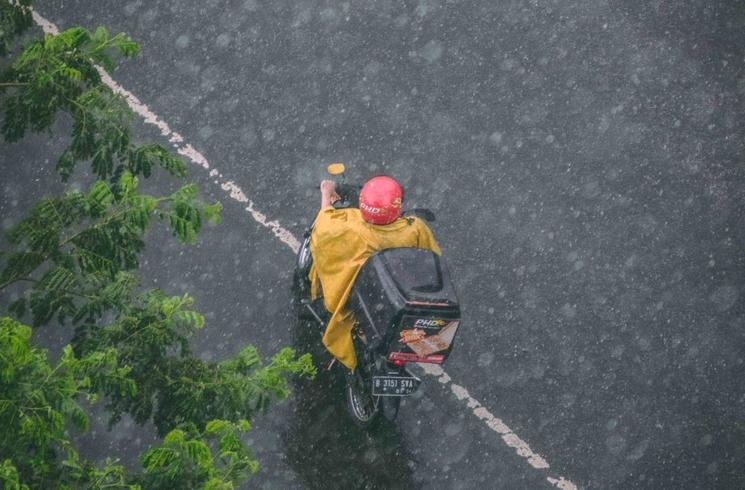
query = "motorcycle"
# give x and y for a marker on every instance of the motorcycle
(406, 311)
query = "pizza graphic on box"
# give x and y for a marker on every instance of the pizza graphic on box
(424, 346)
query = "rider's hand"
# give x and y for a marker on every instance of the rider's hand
(328, 186)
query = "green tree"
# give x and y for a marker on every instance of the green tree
(38, 401)
(187, 458)
(74, 259)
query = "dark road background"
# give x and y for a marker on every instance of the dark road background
(583, 161)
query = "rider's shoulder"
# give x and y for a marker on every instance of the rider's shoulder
(344, 214)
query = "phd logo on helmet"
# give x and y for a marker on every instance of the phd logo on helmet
(370, 209)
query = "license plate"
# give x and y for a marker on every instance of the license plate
(394, 385)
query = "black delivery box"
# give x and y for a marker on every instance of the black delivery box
(406, 305)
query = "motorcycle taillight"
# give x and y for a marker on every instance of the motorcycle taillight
(401, 358)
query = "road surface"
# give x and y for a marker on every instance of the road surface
(582, 159)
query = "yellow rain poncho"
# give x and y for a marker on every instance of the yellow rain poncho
(341, 242)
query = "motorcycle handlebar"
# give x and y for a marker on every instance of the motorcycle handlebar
(349, 194)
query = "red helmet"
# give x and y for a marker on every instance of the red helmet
(380, 200)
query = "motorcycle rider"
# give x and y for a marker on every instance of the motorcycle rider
(341, 242)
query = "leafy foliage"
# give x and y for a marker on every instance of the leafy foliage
(239, 387)
(187, 458)
(79, 254)
(15, 18)
(60, 73)
(9, 477)
(151, 336)
(37, 400)
(99, 132)
(54, 72)
(78, 250)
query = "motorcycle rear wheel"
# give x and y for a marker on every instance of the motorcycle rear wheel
(361, 404)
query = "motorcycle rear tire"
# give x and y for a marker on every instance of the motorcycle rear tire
(361, 404)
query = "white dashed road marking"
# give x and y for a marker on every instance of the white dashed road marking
(285, 236)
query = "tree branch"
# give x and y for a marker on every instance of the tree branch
(103, 222)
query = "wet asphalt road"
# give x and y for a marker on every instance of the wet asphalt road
(582, 158)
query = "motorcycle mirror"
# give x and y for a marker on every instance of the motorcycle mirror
(424, 213)
(335, 168)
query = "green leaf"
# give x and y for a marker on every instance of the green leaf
(126, 46)
(19, 307)
(128, 184)
(199, 453)
(142, 159)
(72, 73)
(185, 193)
(66, 164)
(100, 35)
(71, 38)
(100, 195)
(212, 213)
(21, 265)
(185, 222)
(189, 318)
(216, 426)
(176, 436)
(79, 418)
(157, 458)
